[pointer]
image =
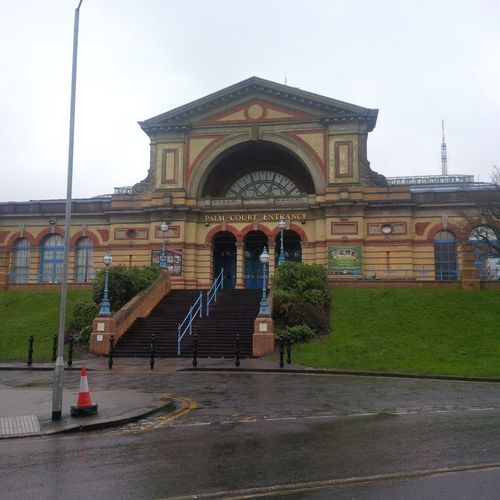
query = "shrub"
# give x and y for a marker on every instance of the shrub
(123, 283)
(298, 333)
(301, 300)
(84, 312)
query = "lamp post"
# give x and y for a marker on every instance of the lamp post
(105, 304)
(264, 305)
(281, 258)
(58, 380)
(163, 256)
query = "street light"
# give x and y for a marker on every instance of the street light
(58, 380)
(264, 305)
(163, 256)
(281, 258)
(105, 304)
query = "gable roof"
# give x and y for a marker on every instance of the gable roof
(329, 110)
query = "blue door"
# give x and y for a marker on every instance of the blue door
(225, 257)
(253, 269)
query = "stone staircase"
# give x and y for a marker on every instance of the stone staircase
(234, 312)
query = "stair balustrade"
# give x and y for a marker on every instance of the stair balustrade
(195, 310)
(212, 293)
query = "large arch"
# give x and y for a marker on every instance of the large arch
(310, 167)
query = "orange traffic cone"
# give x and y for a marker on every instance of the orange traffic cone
(84, 405)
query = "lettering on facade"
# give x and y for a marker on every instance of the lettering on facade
(259, 217)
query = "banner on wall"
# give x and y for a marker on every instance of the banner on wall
(174, 260)
(344, 259)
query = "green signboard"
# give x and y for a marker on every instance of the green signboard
(344, 260)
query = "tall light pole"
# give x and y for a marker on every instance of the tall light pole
(57, 387)
(163, 256)
(281, 258)
(105, 304)
(264, 304)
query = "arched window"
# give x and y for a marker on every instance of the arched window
(486, 251)
(21, 261)
(263, 183)
(52, 259)
(445, 256)
(84, 260)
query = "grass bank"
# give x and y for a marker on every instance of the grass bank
(436, 332)
(31, 313)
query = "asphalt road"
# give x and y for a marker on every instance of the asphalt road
(296, 436)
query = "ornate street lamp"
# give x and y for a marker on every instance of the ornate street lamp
(281, 257)
(105, 304)
(264, 305)
(163, 256)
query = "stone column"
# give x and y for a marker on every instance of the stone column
(263, 336)
(469, 277)
(272, 260)
(240, 265)
(4, 270)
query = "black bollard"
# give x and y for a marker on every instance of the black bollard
(70, 350)
(282, 351)
(110, 352)
(195, 350)
(152, 352)
(54, 347)
(237, 351)
(288, 349)
(30, 350)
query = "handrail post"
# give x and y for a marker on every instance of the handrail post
(179, 340)
(222, 278)
(190, 320)
(201, 304)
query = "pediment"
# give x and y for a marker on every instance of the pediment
(258, 101)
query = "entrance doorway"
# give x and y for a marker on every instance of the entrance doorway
(291, 246)
(225, 257)
(255, 241)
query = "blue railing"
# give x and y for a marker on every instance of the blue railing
(212, 293)
(195, 310)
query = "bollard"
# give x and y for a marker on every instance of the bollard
(30, 350)
(70, 350)
(288, 349)
(152, 352)
(282, 351)
(195, 350)
(110, 353)
(237, 352)
(54, 347)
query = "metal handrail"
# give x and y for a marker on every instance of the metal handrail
(212, 293)
(194, 310)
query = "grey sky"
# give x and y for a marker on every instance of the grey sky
(417, 62)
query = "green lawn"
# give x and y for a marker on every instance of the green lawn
(31, 313)
(446, 332)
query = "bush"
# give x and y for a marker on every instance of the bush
(84, 312)
(124, 283)
(301, 300)
(298, 333)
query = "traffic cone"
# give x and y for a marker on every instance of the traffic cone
(84, 405)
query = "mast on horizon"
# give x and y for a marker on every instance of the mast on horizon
(444, 153)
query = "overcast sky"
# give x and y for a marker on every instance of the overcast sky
(417, 62)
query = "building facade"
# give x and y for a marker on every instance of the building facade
(224, 170)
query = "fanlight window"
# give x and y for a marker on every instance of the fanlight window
(262, 184)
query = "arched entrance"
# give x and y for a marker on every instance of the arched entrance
(255, 241)
(291, 246)
(224, 255)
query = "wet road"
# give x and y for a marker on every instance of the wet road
(280, 434)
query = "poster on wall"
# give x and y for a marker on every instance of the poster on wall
(174, 260)
(344, 260)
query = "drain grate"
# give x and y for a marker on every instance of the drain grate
(24, 425)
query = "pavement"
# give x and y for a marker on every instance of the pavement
(26, 405)
(25, 409)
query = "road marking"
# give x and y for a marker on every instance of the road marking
(304, 487)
